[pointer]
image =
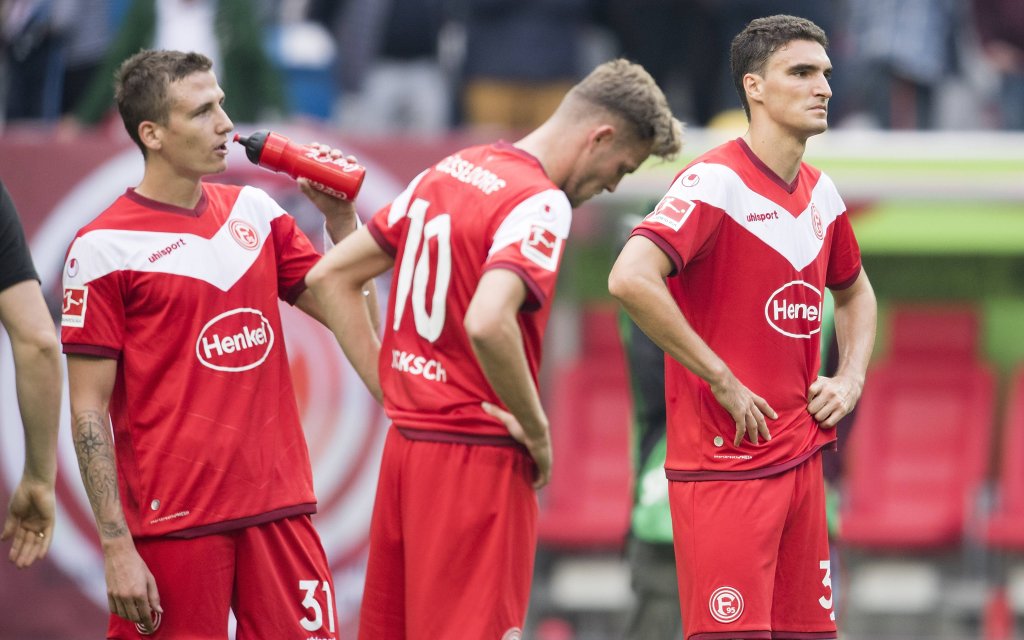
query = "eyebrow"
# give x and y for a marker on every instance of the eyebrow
(800, 67)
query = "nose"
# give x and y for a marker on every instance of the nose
(823, 88)
(224, 123)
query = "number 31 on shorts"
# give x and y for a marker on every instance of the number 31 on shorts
(312, 605)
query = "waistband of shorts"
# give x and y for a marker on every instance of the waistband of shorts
(451, 437)
(680, 475)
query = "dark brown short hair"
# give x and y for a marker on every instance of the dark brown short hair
(752, 47)
(141, 83)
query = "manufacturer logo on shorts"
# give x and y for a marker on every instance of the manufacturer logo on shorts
(794, 309)
(236, 340)
(73, 308)
(672, 212)
(515, 633)
(244, 234)
(726, 605)
(156, 625)
(816, 223)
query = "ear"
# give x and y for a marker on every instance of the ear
(753, 86)
(601, 134)
(151, 135)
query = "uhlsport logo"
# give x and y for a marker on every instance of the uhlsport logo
(156, 625)
(726, 605)
(794, 309)
(515, 633)
(236, 340)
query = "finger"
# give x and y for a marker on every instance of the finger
(754, 423)
(145, 614)
(153, 594)
(741, 430)
(352, 159)
(815, 388)
(10, 524)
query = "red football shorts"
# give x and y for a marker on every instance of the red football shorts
(752, 556)
(274, 576)
(452, 542)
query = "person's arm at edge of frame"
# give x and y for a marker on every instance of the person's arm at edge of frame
(340, 220)
(336, 284)
(493, 330)
(131, 589)
(637, 281)
(831, 398)
(39, 381)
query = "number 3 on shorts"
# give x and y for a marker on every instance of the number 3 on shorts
(826, 603)
(311, 603)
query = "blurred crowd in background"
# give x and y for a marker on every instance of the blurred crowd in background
(427, 66)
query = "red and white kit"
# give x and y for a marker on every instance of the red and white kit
(486, 207)
(753, 256)
(187, 300)
(213, 467)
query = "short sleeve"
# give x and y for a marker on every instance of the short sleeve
(15, 259)
(530, 242)
(92, 311)
(844, 261)
(682, 224)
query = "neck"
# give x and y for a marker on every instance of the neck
(554, 147)
(168, 187)
(782, 152)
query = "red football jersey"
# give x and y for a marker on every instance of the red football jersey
(206, 426)
(752, 256)
(481, 208)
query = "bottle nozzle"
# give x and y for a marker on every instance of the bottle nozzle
(253, 145)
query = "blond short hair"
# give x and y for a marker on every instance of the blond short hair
(627, 90)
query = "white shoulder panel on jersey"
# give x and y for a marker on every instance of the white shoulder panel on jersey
(400, 205)
(798, 239)
(548, 209)
(220, 261)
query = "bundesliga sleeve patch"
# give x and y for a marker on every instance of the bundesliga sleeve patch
(542, 246)
(672, 212)
(73, 310)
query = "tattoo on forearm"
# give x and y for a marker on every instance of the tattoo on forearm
(95, 451)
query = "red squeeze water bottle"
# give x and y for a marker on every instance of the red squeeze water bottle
(334, 176)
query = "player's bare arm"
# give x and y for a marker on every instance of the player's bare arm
(340, 220)
(336, 284)
(131, 589)
(637, 281)
(30, 515)
(830, 399)
(494, 334)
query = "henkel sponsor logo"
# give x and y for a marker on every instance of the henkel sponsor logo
(236, 340)
(73, 306)
(671, 212)
(794, 309)
(542, 246)
(726, 605)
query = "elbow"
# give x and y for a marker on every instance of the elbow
(621, 283)
(481, 327)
